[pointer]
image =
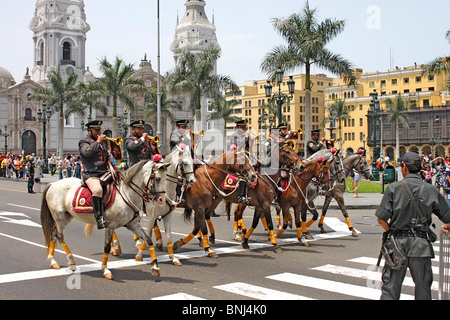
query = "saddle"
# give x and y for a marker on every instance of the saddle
(231, 183)
(82, 201)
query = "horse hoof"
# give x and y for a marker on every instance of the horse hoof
(238, 239)
(139, 258)
(178, 244)
(245, 244)
(55, 266)
(114, 252)
(177, 263)
(308, 236)
(304, 243)
(277, 249)
(155, 272)
(354, 233)
(72, 267)
(212, 239)
(213, 255)
(108, 275)
(322, 230)
(160, 246)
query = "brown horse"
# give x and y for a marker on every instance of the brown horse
(295, 195)
(201, 195)
(287, 159)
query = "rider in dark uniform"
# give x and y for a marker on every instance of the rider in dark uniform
(138, 145)
(241, 139)
(95, 157)
(314, 144)
(180, 135)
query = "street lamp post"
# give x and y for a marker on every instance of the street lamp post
(44, 117)
(6, 135)
(123, 128)
(279, 97)
(374, 106)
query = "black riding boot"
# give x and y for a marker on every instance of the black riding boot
(98, 212)
(242, 193)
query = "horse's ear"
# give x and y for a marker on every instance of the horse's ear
(162, 166)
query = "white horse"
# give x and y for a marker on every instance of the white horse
(144, 182)
(180, 164)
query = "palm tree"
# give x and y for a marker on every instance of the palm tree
(440, 65)
(339, 111)
(58, 94)
(396, 110)
(195, 75)
(167, 105)
(306, 40)
(120, 85)
(223, 109)
(88, 98)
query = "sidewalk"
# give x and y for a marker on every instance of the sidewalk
(364, 201)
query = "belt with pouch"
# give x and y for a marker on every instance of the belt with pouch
(409, 233)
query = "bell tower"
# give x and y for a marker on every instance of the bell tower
(59, 34)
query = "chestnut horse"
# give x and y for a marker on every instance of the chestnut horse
(201, 194)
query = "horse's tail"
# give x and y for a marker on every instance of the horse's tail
(47, 221)
(187, 214)
(88, 229)
(228, 209)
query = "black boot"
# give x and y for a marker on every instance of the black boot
(242, 193)
(98, 212)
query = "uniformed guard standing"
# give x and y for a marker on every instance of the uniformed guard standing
(30, 174)
(138, 145)
(314, 144)
(180, 135)
(94, 158)
(241, 140)
(410, 233)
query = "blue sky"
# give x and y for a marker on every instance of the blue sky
(413, 30)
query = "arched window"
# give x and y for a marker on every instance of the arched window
(41, 52)
(28, 114)
(66, 51)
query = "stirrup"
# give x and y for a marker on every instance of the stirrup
(243, 200)
(101, 223)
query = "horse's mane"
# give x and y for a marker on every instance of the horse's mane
(133, 171)
(325, 154)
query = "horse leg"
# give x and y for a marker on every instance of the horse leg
(212, 237)
(247, 235)
(158, 236)
(168, 228)
(137, 229)
(268, 218)
(116, 250)
(58, 235)
(204, 229)
(340, 200)
(304, 211)
(285, 211)
(298, 211)
(326, 204)
(107, 249)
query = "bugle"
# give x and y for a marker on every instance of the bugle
(115, 147)
(156, 139)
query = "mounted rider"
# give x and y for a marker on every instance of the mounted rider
(94, 158)
(241, 139)
(138, 145)
(315, 143)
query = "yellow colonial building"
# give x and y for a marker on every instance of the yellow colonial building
(428, 111)
(254, 106)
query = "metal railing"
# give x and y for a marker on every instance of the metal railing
(444, 266)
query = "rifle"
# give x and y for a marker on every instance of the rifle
(385, 237)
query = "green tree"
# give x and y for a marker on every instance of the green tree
(440, 65)
(396, 110)
(306, 40)
(195, 75)
(167, 105)
(88, 99)
(120, 85)
(60, 93)
(339, 111)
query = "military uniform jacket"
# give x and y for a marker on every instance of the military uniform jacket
(241, 140)
(138, 149)
(94, 157)
(312, 147)
(397, 208)
(177, 137)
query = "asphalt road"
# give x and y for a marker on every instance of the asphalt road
(336, 266)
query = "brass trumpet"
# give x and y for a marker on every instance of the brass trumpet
(156, 139)
(201, 134)
(115, 147)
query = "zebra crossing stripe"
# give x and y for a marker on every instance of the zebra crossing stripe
(365, 274)
(178, 296)
(259, 293)
(332, 286)
(373, 262)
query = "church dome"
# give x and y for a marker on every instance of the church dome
(6, 78)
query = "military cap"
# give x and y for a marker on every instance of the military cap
(315, 131)
(182, 122)
(96, 124)
(283, 125)
(241, 122)
(137, 124)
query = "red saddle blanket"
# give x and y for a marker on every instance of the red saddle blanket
(82, 201)
(231, 182)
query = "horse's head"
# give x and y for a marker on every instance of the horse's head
(336, 167)
(363, 167)
(322, 173)
(185, 165)
(289, 158)
(156, 183)
(243, 166)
